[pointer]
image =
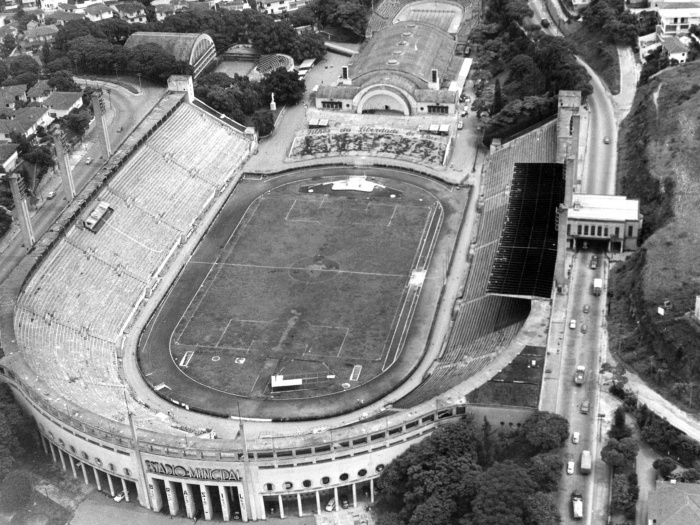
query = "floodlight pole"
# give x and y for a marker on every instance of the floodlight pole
(246, 468)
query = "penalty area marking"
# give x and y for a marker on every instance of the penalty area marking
(356, 370)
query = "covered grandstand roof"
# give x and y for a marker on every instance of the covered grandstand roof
(527, 249)
(409, 49)
(180, 45)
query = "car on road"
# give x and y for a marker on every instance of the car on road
(570, 467)
(586, 308)
(572, 324)
(50, 195)
(584, 328)
(460, 124)
(585, 407)
(594, 262)
(575, 437)
(464, 113)
(606, 140)
(120, 497)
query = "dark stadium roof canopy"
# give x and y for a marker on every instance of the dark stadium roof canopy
(180, 45)
(409, 49)
(527, 249)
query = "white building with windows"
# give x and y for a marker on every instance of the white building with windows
(675, 18)
(281, 6)
(613, 219)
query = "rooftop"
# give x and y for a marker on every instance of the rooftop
(39, 89)
(674, 45)
(604, 207)
(7, 149)
(410, 49)
(63, 100)
(675, 504)
(180, 45)
(41, 31)
(97, 9)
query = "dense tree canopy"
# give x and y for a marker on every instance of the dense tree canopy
(609, 17)
(14, 428)
(546, 430)
(503, 492)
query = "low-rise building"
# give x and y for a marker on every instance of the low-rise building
(24, 121)
(33, 39)
(98, 11)
(196, 49)
(675, 18)
(61, 18)
(50, 5)
(39, 91)
(674, 504)
(131, 12)
(281, 6)
(234, 5)
(8, 156)
(10, 95)
(675, 49)
(611, 219)
(60, 103)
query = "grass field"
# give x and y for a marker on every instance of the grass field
(309, 285)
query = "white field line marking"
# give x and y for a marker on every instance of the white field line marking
(223, 333)
(341, 344)
(392, 215)
(290, 210)
(319, 270)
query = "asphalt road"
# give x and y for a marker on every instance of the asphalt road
(601, 158)
(581, 349)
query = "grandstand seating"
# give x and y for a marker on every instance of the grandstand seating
(69, 317)
(269, 63)
(486, 324)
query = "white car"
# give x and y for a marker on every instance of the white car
(460, 124)
(570, 467)
(575, 438)
(51, 195)
(88, 161)
(572, 324)
(120, 497)
(330, 506)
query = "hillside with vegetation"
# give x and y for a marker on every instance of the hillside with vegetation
(658, 164)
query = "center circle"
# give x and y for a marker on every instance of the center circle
(314, 269)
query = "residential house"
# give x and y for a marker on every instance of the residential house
(60, 103)
(675, 18)
(97, 12)
(33, 39)
(10, 95)
(234, 5)
(39, 92)
(206, 5)
(71, 8)
(61, 17)
(50, 5)
(282, 6)
(674, 504)
(9, 29)
(163, 11)
(8, 156)
(25, 121)
(674, 48)
(11, 5)
(131, 12)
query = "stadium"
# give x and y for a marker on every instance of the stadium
(219, 344)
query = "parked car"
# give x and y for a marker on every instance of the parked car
(575, 438)
(344, 502)
(572, 324)
(586, 308)
(120, 497)
(606, 140)
(460, 124)
(120, 129)
(585, 407)
(464, 113)
(365, 491)
(88, 161)
(594, 262)
(584, 328)
(330, 506)
(236, 515)
(51, 195)
(570, 467)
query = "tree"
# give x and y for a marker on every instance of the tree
(350, 15)
(22, 64)
(545, 430)
(542, 509)
(15, 490)
(620, 453)
(14, 436)
(63, 81)
(619, 429)
(503, 492)
(264, 122)
(286, 86)
(664, 466)
(308, 45)
(76, 29)
(497, 98)
(8, 44)
(269, 36)
(77, 120)
(23, 78)
(545, 471)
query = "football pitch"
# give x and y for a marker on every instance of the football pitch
(315, 285)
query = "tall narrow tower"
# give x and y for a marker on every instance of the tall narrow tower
(98, 105)
(19, 196)
(64, 166)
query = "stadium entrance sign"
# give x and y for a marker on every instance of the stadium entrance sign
(217, 474)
